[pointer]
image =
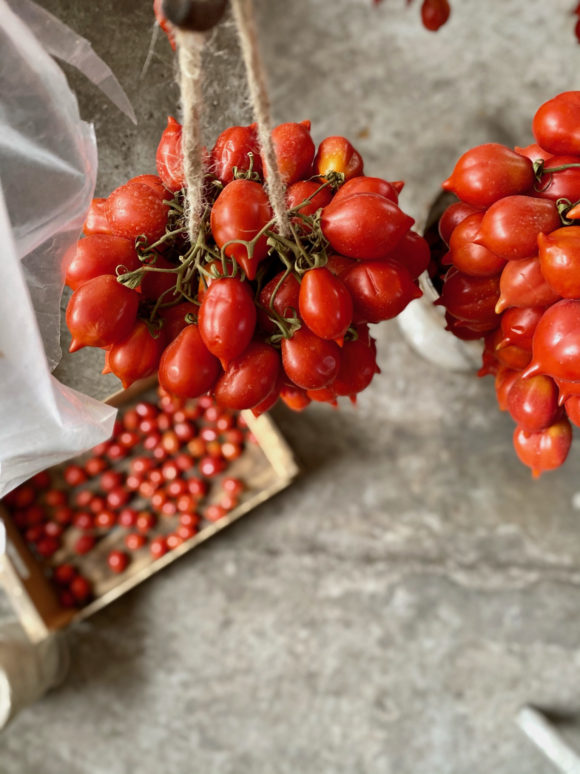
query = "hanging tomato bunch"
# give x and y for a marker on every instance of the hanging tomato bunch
(243, 312)
(514, 279)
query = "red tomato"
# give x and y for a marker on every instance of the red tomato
(101, 312)
(533, 403)
(240, 212)
(518, 326)
(452, 217)
(270, 400)
(545, 450)
(522, 284)
(232, 150)
(97, 221)
(364, 184)
(559, 254)
(294, 151)
(470, 298)
(227, 318)
(158, 547)
(380, 290)
(80, 587)
(563, 184)
(336, 154)
(250, 378)
(153, 181)
(325, 304)
(98, 254)
(325, 395)
(413, 253)
(309, 361)
(117, 561)
(285, 301)
(533, 152)
(364, 226)
(136, 208)
(137, 356)
(505, 378)
(74, 475)
(169, 156)
(134, 541)
(434, 14)
(160, 283)
(302, 190)
(358, 364)
(488, 173)
(556, 342)
(512, 356)
(187, 368)
(556, 125)
(468, 331)
(339, 265)
(294, 397)
(470, 258)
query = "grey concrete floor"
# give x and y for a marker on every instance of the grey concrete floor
(391, 611)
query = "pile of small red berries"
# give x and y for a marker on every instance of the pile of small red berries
(149, 487)
(514, 250)
(243, 312)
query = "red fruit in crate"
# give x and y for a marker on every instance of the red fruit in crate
(41, 480)
(364, 226)
(533, 403)
(215, 512)
(97, 221)
(556, 125)
(117, 561)
(187, 368)
(63, 574)
(105, 519)
(47, 546)
(488, 173)
(511, 226)
(227, 318)
(83, 520)
(336, 154)
(189, 519)
(127, 518)
(309, 361)
(236, 148)
(138, 355)
(98, 254)
(556, 342)
(129, 439)
(468, 257)
(145, 522)
(434, 13)
(101, 312)
(562, 183)
(545, 450)
(197, 486)
(233, 486)
(117, 451)
(285, 289)
(533, 152)
(63, 515)
(136, 208)
(134, 541)
(522, 284)
(471, 299)
(294, 150)
(54, 497)
(81, 589)
(452, 217)
(380, 290)
(325, 304)
(186, 533)
(358, 364)
(211, 466)
(518, 326)
(84, 544)
(559, 254)
(249, 378)
(505, 378)
(174, 319)
(572, 406)
(173, 540)
(413, 253)
(158, 547)
(240, 212)
(169, 156)
(362, 184)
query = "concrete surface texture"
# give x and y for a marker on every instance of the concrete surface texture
(391, 611)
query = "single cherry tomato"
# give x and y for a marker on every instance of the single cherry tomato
(174, 318)
(336, 154)
(556, 125)
(197, 486)
(285, 290)
(232, 151)
(522, 284)
(309, 361)
(339, 265)
(161, 283)
(105, 519)
(556, 342)
(364, 184)
(533, 152)
(559, 254)
(240, 212)
(173, 540)
(511, 226)
(270, 400)
(83, 520)
(136, 208)
(47, 546)
(533, 403)
(117, 451)
(294, 150)
(169, 156)
(380, 290)
(227, 318)
(158, 547)
(434, 14)
(249, 378)
(63, 515)
(110, 479)
(127, 518)
(317, 196)
(545, 450)
(134, 541)
(413, 253)
(97, 503)
(470, 258)
(138, 355)
(84, 544)
(98, 254)
(187, 367)
(74, 475)
(562, 183)
(101, 312)
(186, 533)
(117, 561)
(505, 378)
(471, 299)
(325, 304)
(97, 221)
(452, 217)
(63, 574)
(358, 364)
(211, 466)
(518, 326)
(488, 173)
(365, 226)
(145, 522)
(215, 512)
(81, 589)
(117, 497)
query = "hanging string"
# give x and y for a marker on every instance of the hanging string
(246, 25)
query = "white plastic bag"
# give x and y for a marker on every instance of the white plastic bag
(48, 166)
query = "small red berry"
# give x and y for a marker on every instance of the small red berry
(84, 544)
(117, 561)
(158, 547)
(134, 541)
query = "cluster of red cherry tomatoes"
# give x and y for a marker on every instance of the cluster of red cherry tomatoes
(241, 311)
(514, 250)
(148, 488)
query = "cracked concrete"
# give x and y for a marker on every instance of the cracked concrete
(391, 611)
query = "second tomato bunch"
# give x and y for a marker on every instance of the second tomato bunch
(514, 276)
(243, 311)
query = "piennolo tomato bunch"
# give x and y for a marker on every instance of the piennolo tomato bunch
(514, 250)
(243, 312)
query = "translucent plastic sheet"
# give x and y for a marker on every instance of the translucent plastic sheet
(48, 166)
